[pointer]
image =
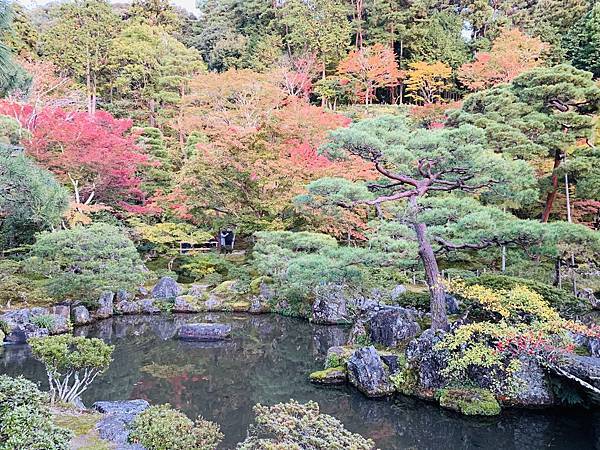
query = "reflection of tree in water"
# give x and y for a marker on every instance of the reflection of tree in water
(267, 361)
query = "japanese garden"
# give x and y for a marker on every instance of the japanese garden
(299, 224)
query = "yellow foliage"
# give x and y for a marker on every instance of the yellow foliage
(509, 304)
(427, 81)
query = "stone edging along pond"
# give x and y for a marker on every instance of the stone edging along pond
(388, 352)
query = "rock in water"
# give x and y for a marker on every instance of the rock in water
(393, 326)
(126, 307)
(368, 373)
(22, 333)
(330, 306)
(81, 315)
(166, 287)
(469, 401)
(105, 306)
(204, 332)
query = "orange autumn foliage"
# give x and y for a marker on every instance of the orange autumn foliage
(512, 53)
(261, 148)
(370, 68)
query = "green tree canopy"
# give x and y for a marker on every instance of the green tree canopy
(31, 200)
(582, 44)
(538, 116)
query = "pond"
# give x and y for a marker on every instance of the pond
(268, 361)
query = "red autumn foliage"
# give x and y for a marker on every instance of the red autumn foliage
(95, 154)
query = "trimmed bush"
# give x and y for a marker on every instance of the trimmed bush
(25, 420)
(85, 261)
(163, 428)
(296, 426)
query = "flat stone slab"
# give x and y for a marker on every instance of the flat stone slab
(113, 427)
(204, 332)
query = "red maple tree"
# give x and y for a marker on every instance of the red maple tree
(95, 154)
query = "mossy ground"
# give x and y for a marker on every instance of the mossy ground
(83, 425)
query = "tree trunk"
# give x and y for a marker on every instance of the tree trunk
(439, 318)
(552, 194)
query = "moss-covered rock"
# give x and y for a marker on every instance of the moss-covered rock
(469, 401)
(240, 306)
(2, 336)
(256, 283)
(226, 288)
(332, 375)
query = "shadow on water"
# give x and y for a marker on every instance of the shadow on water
(267, 361)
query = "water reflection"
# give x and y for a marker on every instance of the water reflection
(267, 361)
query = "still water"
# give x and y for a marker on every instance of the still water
(268, 361)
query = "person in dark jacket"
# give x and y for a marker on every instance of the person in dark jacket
(227, 240)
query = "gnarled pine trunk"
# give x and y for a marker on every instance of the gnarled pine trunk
(439, 318)
(552, 194)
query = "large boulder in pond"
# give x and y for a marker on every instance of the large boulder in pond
(368, 373)
(105, 306)
(581, 370)
(391, 327)
(166, 287)
(80, 316)
(204, 332)
(330, 305)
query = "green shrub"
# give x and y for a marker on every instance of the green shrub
(293, 261)
(562, 301)
(44, 321)
(163, 428)
(25, 419)
(36, 202)
(418, 300)
(469, 401)
(197, 267)
(296, 426)
(85, 261)
(72, 363)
